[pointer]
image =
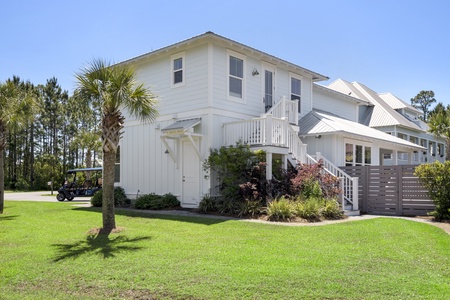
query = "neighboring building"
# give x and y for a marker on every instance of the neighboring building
(214, 91)
(389, 114)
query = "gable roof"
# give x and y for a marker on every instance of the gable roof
(333, 92)
(382, 114)
(322, 123)
(211, 36)
(397, 103)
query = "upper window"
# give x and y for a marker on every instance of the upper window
(296, 91)
(236, 77)
(177, 69)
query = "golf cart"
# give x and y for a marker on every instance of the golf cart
(71, 188)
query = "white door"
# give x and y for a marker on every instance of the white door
(190, 176)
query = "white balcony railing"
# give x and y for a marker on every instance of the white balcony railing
(285, 109)
(265, 131)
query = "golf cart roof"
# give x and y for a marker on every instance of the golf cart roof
(84, 170)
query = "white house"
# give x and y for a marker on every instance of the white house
(214, 91)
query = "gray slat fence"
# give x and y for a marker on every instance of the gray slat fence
(390, 190)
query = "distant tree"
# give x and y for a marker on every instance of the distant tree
(16, 108)
(439, 123)
(423, 101)
(113, 88)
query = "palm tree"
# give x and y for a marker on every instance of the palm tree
(113, 88)
(17, 106)
(90, 141)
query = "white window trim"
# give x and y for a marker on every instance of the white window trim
(119, 183)
(358, 143)
(243, 57)
(272, 68)
(172, 71)
(296, 76)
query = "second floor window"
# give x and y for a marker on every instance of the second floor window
(236, 77)
(178, 70)
(296, 91)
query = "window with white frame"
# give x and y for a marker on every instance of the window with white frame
(357, 155)
(117, 166)
(296, 91)
(236, 77)
(178, 73)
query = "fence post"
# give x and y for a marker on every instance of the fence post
(398, 174)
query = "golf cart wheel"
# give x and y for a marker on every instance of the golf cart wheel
(60, 197)
(70, 198)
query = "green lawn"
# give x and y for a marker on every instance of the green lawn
(46, 253)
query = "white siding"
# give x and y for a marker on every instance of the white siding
(192, 95)
(144, 165)
(333, 104)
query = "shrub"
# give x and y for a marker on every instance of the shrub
(310, 209)
(96, 200)
(304, 182)
(435, 178)
(331, 210)
(120, 199)
(251, 208)
(207, 204)
(155, 202)
(280, 210)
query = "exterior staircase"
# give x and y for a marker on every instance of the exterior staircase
(277, 133)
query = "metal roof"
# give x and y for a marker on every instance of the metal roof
(182, 124)
(84, 170)
(382, 114)
(397, 103)
(321, 123)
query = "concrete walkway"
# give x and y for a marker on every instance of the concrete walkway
(43, 196)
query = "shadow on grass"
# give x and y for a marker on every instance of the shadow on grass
(7, 217)
(100, 244)
(168, 215)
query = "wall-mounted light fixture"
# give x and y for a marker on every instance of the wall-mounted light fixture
(255, 72)
(318, 136)
(167, 151)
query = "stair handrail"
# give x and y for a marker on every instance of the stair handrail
(350, 190)
(285, 109)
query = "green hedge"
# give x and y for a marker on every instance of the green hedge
(155, 202)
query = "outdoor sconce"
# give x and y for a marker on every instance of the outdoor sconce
(255, 72)
(318, 136)
(425, 152)
(166, 152)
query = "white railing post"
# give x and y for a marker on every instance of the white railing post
(283, 107)
(355, 201)
(269, 130)
(341, 185)
(296, 112)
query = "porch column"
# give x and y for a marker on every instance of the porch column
(268, 165)
(284, 161)
(395, 157)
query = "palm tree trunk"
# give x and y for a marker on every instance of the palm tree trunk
(109, 222)
(2, 181)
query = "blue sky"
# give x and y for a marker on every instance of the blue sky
(398, 46)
